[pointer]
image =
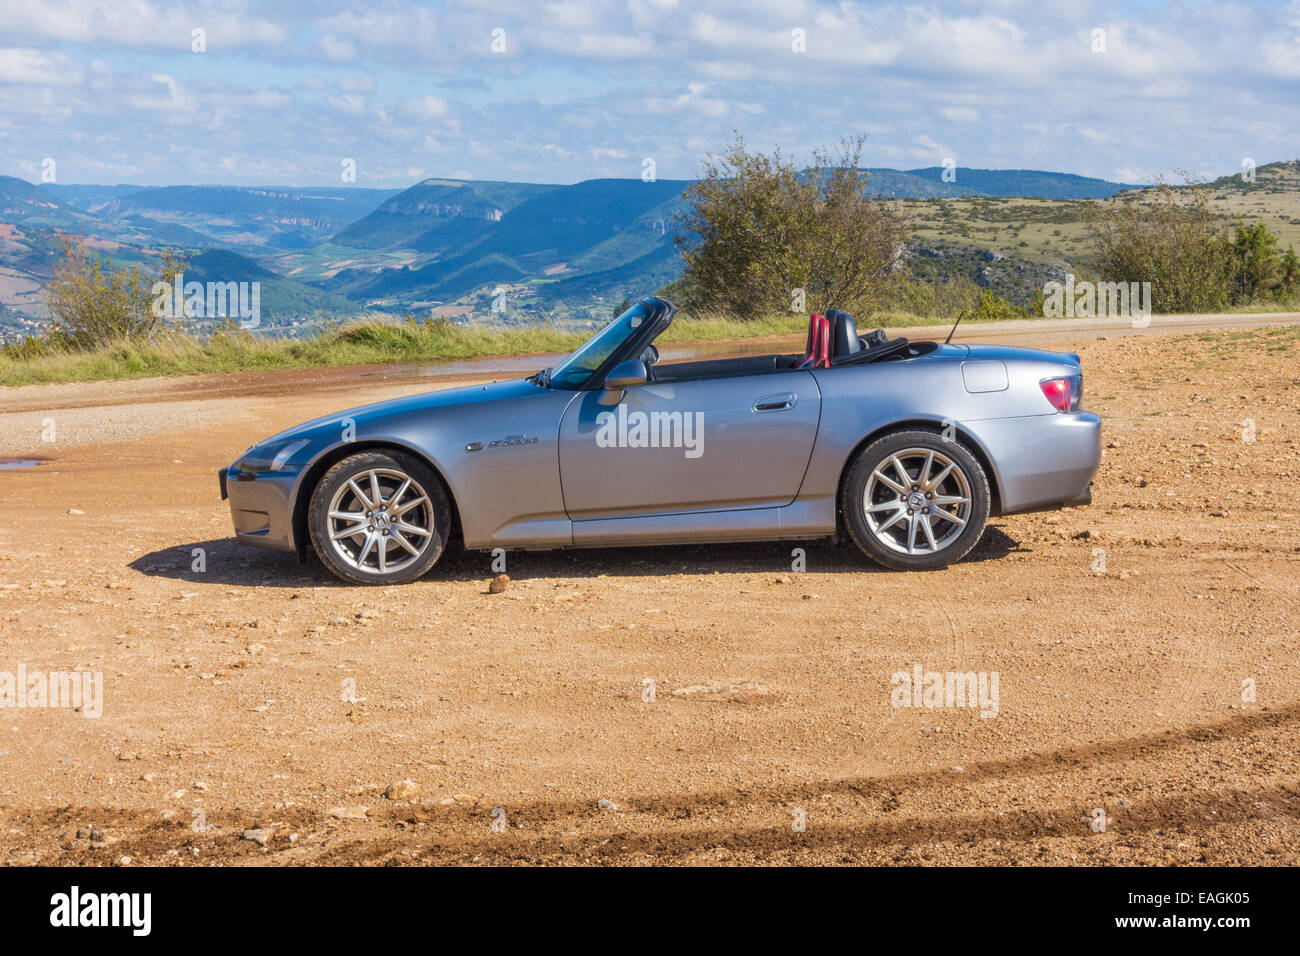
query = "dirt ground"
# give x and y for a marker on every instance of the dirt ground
(674, 705)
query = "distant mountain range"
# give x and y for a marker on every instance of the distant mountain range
(604, 233)
(446, 246)
(1021, 182)
(238, 216)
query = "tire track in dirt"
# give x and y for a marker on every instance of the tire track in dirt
(910, 810)
(1116, 688)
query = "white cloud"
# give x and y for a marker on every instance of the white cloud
(38, 67)
(1014, 82)
(337, 48)
(171, 101)
(425, 107)
(143, 23)
(362, 83)
(352, 104)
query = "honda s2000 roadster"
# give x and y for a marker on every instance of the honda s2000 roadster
(908, 447)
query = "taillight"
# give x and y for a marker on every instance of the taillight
(1065, 393)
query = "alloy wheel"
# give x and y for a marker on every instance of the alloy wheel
(380, 520)
(917, 501)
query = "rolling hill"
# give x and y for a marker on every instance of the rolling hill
(1024, 183)
(247, 219)
(566, 251)
(283, 301)
(556, 246)
(32, 218)
(451, 207)
(35, 207)
(468, 237)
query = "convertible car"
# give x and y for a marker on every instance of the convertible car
(908, 447)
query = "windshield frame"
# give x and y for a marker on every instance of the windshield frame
(655, 315)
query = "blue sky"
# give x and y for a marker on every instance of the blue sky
(285, 92)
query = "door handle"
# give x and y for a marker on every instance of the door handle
(776, 403)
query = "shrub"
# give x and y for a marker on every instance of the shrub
(1255, 263)
(1174, 242)
(951, 296)
(1289, 273)
(94, 303)
(756, 228)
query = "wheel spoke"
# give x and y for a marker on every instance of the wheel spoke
(938, 479)
(365, 550)
(376, 496)
(398, 512)
(397, 495)
(949, 516)
(898, 516)
(950, 500)
(911, 534)
(924, 474)
(383, 555)
(902, 472)
(888, 482)
(348, 516)
(354, 530)
(401, 539)
(884, 506)
(413, 529)
(929, 531)
(361, 495)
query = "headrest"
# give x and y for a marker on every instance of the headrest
(846, 334)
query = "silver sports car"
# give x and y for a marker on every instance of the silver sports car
(906, 446)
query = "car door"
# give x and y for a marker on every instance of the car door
(735, 442)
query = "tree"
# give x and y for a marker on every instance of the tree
(94, 303)
(1254, 260)
(757, 230)
(1289, 272)
(1170, 239)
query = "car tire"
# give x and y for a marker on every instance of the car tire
(946, 489)
(357, 494)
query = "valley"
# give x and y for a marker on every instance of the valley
(516, 254)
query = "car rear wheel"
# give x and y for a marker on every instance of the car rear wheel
(915, 501)
(379, 518)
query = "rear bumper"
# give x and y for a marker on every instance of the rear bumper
(1043, 461)
(260, 507)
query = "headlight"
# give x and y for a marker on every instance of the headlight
(271, 457)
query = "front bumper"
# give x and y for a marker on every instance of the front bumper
(261, 507)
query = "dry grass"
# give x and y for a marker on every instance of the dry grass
(371, 341)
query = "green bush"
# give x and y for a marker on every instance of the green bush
(1255, 264)
(1174, 242)
(1193, 261)
(951, 296)
(93, 303)
(757, 228)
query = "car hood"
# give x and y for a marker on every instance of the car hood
(426, 401)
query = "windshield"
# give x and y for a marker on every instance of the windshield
(574, 371)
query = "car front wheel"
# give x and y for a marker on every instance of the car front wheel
(915, 501)
(379, 518)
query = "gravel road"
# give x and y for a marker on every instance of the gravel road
(670, 705)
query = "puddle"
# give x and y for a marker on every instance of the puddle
(11, 464)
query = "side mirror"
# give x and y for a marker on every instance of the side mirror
(623, 376)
